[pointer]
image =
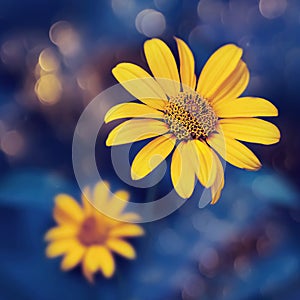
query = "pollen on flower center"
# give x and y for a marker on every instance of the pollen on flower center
(189, 116)
(91, 233)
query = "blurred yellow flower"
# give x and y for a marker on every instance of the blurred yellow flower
(85, 236)
(201, 120)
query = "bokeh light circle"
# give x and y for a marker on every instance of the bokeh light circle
(272, 9)
(150, 22)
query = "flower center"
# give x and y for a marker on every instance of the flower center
(91, 233)
(189, 116)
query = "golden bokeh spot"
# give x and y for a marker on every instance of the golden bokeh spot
(190, 117)
(48, 61)
(48, 89)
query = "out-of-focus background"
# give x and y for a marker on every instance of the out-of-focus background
(55, 57)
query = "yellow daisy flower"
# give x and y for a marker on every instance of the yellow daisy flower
(84, 235)
(201, 120)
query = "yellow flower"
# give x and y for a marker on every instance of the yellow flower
(200, 120)
(86, 236)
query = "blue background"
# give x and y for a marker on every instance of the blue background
(245, 247)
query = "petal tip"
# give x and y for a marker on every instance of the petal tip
(142, 232)
(183, 194)
(114, 70)
(108, 142)
(255, 167)
(134, 175)
(133, 256)
(47, 236)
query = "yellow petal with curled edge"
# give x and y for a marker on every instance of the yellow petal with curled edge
(217, 69)
(245, 107)
(132, 110)
(182, 172)
(187, 65)
(205, 167)
(250, 130)
(163, 66)
(234, 152)
(218, 184)
(151, 155)
(136, 130)
(234, 85)
(140, 84)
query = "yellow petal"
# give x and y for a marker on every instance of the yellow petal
(72, 258)
(234, 152)
(187, 65)
(59, 247)
(60, 232)
(88, 274)
(250, 130)
(234, 85)
(67, 210)
(205, 166)
(91, 259)
(215, 194)
(182, 171)
(217, 69)
(89, 265)
(218, 184)
(101, 194)
(131, 110)
(140, 84)
(162, 65)
(121, 247)
(103, 258)
(86, 201)
(105, 219)
(118, 202)
(136, 130)
(127, 230)
(98, 258)
(121, 194)
(152, 155)
(245, 107)
(130, 217)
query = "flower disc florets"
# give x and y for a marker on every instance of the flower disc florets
(189, 116)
